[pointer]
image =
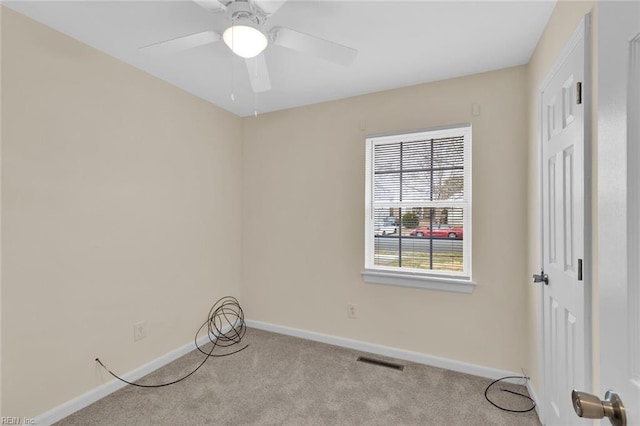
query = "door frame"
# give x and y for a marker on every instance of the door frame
(582, 32)
(618, 202)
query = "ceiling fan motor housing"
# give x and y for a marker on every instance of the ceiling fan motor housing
(245, 11)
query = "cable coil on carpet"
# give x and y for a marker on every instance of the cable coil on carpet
(511, 392)
(225, 327)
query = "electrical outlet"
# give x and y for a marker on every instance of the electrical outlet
(139, 330)
(352, 311)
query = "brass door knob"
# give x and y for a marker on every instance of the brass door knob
(590, 406)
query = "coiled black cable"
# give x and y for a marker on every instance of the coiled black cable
(511, 392)
(227, 314)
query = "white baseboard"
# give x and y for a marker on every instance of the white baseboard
(420, 358)
(534, 396)
(60, 412)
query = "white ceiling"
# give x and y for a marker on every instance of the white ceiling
(400, 43)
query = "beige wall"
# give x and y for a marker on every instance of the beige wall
(120, 203)
(303, 204)
(562, 24)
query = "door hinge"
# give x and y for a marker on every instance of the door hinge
(579, 93)
(579, 269)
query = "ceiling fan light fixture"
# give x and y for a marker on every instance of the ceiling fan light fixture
(244, 40)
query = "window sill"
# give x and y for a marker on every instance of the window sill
(455, 285)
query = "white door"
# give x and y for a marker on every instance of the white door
(619, 202)
(566, 230)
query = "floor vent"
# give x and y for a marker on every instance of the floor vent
(381, 363)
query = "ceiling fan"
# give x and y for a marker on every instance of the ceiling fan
(247, 37)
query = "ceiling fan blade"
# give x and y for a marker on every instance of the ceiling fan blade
(211, 5)
(305, 43)
(182, 43)
(258, 73)
(269, 7)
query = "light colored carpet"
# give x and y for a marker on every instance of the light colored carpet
(281, 380)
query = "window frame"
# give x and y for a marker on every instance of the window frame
(460, 282)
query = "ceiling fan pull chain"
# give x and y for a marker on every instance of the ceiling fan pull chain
(255, 94)
(233, 96)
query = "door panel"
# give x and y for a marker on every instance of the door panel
(569, 263)
(563, 175)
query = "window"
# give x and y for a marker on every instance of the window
(418, 209)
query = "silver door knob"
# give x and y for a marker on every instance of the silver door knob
(591, 407)
(542, 278)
